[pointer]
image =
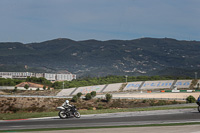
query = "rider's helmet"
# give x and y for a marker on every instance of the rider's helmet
(67, 102)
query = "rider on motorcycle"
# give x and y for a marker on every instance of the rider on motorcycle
(198, 100)
(66, 104)
(67, 110)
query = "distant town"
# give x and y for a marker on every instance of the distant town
(48, 76)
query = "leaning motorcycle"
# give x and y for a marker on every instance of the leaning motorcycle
(68, 112)
(198, 108)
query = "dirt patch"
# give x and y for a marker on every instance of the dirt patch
(12, 105)
(165, 95)
(3, 93)
(31, 92)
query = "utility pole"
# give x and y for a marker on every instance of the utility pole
(126, 78)
(195, 75)
(63, 84)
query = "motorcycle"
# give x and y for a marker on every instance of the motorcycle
(68, 112)
(198, 108)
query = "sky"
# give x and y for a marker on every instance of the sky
(30, 21)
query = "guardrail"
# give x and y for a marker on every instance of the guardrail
(31, 96)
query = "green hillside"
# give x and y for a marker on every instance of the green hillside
(145, 56)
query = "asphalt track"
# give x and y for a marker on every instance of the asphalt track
(114, 119)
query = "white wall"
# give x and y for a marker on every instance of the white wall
(157, 84)
(113, 87)
(183, 83)
(65, 92)
(88, 89)
(132, 85)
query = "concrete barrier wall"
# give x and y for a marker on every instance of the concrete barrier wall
(157, 84)
(88, 89)
(198, 82)
(65, 92)
(7, 87)
(18, 88)
(30, 88)
(183, 83)
(113, 87)
(132, 86)
(197, 85)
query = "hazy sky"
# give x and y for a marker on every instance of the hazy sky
(40, 20)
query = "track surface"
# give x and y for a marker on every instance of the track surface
(115, 119)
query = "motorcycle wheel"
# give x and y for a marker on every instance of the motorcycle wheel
(77, 114)
(199, 109)
(62, 114)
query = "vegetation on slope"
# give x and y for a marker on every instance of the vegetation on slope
(86, 81)
(147, 56)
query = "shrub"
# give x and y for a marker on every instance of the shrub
(13, 109)
(98, 100)
(79, 94)
(190, 99)
(88, 96)
(37, 89)
(15, 89)
(44, 87)
(161, 102)
(174, 102)
(116, 103)
(93, 93)
(108, 97)
(144, 101)
(26, 86)
(90, 108)
(74, 98)
(100, 106)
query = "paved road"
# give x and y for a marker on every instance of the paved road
(115, 119)
(158, 129)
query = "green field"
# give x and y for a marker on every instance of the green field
(25, 115)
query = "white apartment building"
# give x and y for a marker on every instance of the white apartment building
(48, 76)
(62, 77)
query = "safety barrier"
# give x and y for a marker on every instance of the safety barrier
(157, 84)
(183, 83)
(132, 86)
(88, 89)
(113, 87)
(65, 92)
(139, 86)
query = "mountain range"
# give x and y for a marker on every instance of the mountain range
(144, 56)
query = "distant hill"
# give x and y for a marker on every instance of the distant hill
(145, 56)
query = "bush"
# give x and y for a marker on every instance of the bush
(174, 102)
(144, 101)
(108, 97)
(88, 96)
(75, 98)
(26, 86)
(116, 103)
(161, 102)
(90, 108)
(79, 94)
(100, 106)
(44, 87)
(93, 93)
(98, 100)
(37, 89)
(15, 89)
(190, 99)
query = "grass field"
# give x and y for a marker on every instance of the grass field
(25, 115)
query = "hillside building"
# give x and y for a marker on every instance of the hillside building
(48, 76)
(32, 86)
